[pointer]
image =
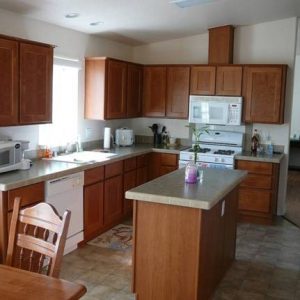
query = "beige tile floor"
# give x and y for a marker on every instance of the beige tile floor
(267, 266)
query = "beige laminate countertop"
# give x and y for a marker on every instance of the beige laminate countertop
(43, 170)
(263, 157)
(171, 189)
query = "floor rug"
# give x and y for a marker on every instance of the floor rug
(118, 238)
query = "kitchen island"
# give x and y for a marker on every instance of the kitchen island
(184, 234)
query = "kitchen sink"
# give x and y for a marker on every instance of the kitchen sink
(84, 157)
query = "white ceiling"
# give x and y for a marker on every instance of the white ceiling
(144, 21)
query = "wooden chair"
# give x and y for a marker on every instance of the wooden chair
(37, 238)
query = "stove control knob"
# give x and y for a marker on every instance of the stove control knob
(223, 160)
(216, 159)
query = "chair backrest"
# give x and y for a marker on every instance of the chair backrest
(37, 238)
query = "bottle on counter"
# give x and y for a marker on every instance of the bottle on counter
(269, 146)
(255, 142)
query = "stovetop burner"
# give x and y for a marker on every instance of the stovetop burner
(201, 150)
(224, 152)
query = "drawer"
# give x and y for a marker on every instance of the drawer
(114, 169)
(168, 159)
(129, 164)
(255, 200)
(142, 160)
(29, 195)
(257, 181)
(93, 175)
(255, 167)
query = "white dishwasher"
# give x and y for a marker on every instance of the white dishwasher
(67, 193)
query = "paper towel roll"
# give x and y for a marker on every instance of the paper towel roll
(107, 134)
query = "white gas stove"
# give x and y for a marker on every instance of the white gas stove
(217, 150)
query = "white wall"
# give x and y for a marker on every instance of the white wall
(295, 122)
(69, 43)
(272, 42)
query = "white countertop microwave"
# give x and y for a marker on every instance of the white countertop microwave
(215, 110)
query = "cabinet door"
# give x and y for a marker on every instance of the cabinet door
(36, 66)
(129, 183)
(93, 209)
(141, 175)
(263, 91)
(113, 199)
(154, 95)
(134, 90)
(9, 82)
(203, 80)
(229, 81)
(116, 90)
(178, 80)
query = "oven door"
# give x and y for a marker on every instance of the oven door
(7, 156)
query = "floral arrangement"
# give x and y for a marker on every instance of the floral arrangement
(197, 132)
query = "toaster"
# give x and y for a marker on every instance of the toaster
(124, 137)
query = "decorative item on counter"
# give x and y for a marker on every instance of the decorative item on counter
(255, 142)
(269, 146)
(172, 141)
(191, 173)
(165, 136)
(197, 132)
(48, 152)
(42, 151)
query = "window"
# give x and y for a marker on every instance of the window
(63, 130)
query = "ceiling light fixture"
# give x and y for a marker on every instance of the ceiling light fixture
(189, 3)
(96, 23)
(72, 15)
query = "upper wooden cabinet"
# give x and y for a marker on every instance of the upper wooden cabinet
(112, 89)
(154, 94)
(26, 82)
(221, 45)
(134, 90)
(36, 65)
(178, 80)
(229, 80)
(203, 80)
(263, 92)
(9, 102)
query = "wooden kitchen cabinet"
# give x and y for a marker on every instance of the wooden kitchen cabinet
(162, 163)
(134, 90)
(142, 171)
(113, 89)
(36, 65)
(258, 191)
(229, 80)
(130, 181)
(93, 202)
(264, 93)
(178, 81)
(26, 82)
(154, 91)
(9, 103)
(93, 210)
(203, 80)
(113, 199)
(116, 89)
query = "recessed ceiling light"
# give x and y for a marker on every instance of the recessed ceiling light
(72, 15)
(96, 23)
(188, 3)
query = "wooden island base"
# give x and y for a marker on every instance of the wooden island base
(182, 253)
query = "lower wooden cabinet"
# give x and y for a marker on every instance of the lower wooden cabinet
(161, 164)
(93, 210)
(130, 181)
(258, 192)
(113, 199)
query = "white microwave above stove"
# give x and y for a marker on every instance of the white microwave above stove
(215, 110)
